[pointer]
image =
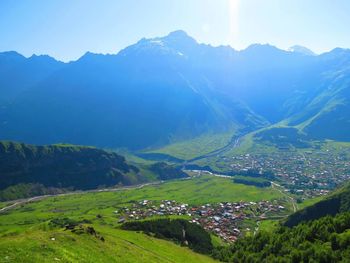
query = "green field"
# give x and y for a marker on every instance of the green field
(195, 191)
(268, 225)
(309, 202)
(36, 245)
(26, 237)
(201, 145)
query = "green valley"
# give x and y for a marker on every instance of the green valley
(138, 143)
(26, 230)
(196, 147)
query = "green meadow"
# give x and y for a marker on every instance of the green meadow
(26, 235)
(194, 191)
(198, 146)
(57, 245)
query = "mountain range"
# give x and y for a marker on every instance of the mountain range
(173, 88)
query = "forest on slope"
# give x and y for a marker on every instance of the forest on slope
(28, 170)
(317, 233)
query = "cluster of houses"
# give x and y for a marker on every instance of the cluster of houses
(146, 208)
(312, 173)
(224, 219)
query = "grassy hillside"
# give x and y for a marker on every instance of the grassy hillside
(29, 170)
(335, 203)
(283, 137)
(57, 245)
(26, 234)
(63, 166)
(325, 117)
(201, 145)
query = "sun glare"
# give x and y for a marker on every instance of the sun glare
(233, 7)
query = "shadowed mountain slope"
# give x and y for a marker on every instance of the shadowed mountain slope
(172, 88)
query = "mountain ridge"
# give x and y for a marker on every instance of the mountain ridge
(171, 88)
(183, 34)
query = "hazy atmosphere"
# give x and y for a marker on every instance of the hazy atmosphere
(175, 131)
(67, 29)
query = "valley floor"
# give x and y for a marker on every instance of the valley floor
(28, 236)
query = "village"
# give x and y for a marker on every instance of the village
(308, 173)
(223, 219)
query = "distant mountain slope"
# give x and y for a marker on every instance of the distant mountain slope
(326, 116)
(337, 202)
(148, 94)
(170, 89)
(302, 50)
(27, 170)
(18, 73)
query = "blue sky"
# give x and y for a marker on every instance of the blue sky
(66, 29)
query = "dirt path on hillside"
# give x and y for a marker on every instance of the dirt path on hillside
(292, 200)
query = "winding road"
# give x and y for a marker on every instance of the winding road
(234, 143)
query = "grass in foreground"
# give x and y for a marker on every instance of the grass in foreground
(24, 236)
(119, 246)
